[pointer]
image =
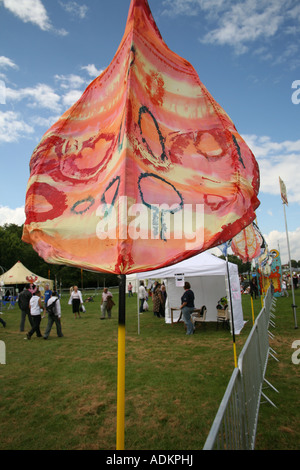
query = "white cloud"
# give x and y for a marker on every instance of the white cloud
(41, 95)
(44, 122)
(192, 7)
(2, 92)
(246, 22)
(31, 11)
(275, 238)
(71, 97)
(277, 159)
(6, 62)
(180, 7)
(92, 70)
(75, 9)
(241, 24)
(12, 127)
(12, 216)
(70, 81)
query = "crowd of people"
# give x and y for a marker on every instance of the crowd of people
(33, 308)
(287, 282)
(35, 305)
(159, 296)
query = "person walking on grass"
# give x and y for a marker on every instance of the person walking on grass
(157, 300)
(107, 303)
(47, 295)
(187, 307)
(35, 306)
(142, 296)
(53, 309)
(130, 294)
(76, 301)
(23, 302)
(284, 288)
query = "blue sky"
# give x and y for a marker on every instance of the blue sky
(247, 53)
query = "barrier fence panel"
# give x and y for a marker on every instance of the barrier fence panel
(229, 428)
(235, 424)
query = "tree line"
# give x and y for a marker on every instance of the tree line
(13, 249)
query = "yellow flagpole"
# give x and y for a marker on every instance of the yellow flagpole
(121, 389)
(252, 308)
(120, 438)
(235, 355)
(232, 318)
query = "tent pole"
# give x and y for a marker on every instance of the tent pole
(231, 311)
(120, 441)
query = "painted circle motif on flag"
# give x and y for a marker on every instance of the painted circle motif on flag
(248, 243)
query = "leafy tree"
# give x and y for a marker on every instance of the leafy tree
(242, 267)
(13, 249)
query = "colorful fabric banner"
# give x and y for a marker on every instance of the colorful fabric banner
(144, 170)
(271, 272)
(224, 247)
(283, 192)
(249, 243)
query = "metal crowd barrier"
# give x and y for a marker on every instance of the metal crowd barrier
(235, 424)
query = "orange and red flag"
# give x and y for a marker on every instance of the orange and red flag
(144, 170)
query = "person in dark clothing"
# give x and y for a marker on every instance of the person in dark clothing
(54, 317)
(187, 307)
(253, 288)
(295, 280)
(23, 302)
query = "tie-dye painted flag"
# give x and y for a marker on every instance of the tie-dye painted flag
(144, 170)
(249, 243)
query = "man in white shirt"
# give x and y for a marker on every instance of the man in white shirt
(106, 303)
(35, 306)
(142, 296)
(284, 288)
(54, 316)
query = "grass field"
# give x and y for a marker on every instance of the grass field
(61, 393)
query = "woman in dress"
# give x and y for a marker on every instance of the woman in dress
(76, 301)
(157, 300)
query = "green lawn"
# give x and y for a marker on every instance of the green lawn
(61, 393)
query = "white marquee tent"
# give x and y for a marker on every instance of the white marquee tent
(207, 275)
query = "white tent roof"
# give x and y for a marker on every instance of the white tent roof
(202, 267)
(18, 274)
(199, 265)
